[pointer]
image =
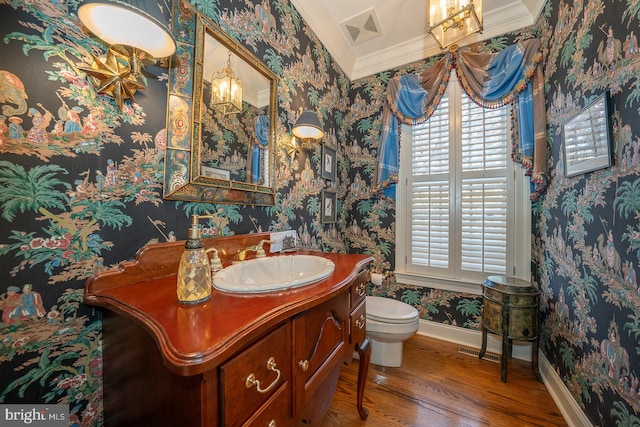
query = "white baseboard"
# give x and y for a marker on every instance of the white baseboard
(469, 338)
(567, 405)
(572, 413)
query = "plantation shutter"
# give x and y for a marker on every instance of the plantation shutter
(430, 190)
(471, 234)
(484, 188)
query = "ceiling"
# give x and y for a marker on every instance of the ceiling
(369, 36)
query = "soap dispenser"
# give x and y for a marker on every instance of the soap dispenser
(194, 277)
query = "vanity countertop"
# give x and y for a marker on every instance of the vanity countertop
(196, 338)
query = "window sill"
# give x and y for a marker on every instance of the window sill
(439, 283)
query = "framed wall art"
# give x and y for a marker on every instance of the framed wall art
(328, 207)
(587, 138)
(328, 162)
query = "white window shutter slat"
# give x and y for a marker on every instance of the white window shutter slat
(457, 190)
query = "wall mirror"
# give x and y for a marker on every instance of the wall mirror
(587, 138)
(214, 153)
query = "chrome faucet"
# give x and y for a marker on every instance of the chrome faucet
(258, 249)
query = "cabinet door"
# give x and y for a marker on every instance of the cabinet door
(319, 338)
(249, 380)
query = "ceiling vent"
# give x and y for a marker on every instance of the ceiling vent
(362, 28)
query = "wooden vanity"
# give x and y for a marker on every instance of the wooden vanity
(270, 359)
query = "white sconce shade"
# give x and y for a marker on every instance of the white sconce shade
(308, 126)
(453, 20)
(136, 23)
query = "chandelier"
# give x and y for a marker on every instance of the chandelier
(226, 90)
(453, 20)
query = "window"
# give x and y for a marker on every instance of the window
(463, 205)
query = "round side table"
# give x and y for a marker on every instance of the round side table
(510, 309)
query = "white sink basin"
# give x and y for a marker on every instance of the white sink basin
(273, 273)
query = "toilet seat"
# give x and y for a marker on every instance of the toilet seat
(386, 310)
(392, 331)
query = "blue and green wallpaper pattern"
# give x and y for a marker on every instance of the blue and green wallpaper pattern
(81, 190)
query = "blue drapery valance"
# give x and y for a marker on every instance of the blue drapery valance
(511, 76)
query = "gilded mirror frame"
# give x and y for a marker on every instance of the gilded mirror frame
(183, 179)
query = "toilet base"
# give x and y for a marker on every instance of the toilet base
(387, 354)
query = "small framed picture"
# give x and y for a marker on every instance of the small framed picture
(215, 173)
(328, 163)
(328, 206)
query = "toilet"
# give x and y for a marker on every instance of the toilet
(389, 323)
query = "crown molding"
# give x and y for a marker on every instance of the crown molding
(514, 15)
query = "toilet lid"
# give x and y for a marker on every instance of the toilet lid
(390, 311)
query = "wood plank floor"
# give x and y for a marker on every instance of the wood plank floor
(439, 386)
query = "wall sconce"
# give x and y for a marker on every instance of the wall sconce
(307, 127)
(226, 90)
(136, 30)
(452, 20)
(305, 131)
(290, 146)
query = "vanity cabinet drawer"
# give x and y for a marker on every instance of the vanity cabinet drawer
(276, 412)
(250, 379)
(359, 287)
(358, 324)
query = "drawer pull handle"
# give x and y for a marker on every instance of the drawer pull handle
(272, 423)
(361, 289)
(361, 322)
(304, 364)
(251, 379)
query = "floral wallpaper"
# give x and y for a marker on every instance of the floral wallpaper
(586, 237)
(586, 227)
(81, 190)
(81, 181)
